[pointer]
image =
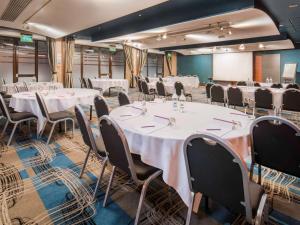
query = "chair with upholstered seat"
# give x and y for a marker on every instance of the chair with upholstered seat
(119, 157)
(235, 98)
(101, 106)
(21, 88)
(179, 88)
(123, 98)
(161, 90)
(276, 86)
(292, 86)
(53, 118)
(14, 118)
(148, 94)
(147, 80)
(256, 84)
(217, 94)
(222, 177)
(291, 100)
(207, 90)
(139, 85)
(94, 143)
(263, 99)
(275, 144)
(241, 83)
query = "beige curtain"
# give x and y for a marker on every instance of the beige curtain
(168, 56)
(69, 46)
(129, 57)
(52, 58)
(141, 59)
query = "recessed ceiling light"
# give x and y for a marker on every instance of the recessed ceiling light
(293, 5)
(140, 15)
(281, 25)
(158, 38)
(164, 36)
(261, 45)
(242, 47)
(230, 32)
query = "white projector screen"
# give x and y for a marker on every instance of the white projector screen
(233, 66)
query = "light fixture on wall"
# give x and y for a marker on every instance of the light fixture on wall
(165, 36)
(230, 32)
(242, 47)
(158, 38)
(261, 46)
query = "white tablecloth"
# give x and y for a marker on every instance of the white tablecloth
(32, 86)
(105, 84)
(268, 85)
(162, 146)
(189, 81)
(58, 100)
(170, 88)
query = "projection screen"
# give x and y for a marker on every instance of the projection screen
(233, 66)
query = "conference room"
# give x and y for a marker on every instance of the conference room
(150, 112)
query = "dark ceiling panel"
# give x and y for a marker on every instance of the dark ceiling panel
(164, 14)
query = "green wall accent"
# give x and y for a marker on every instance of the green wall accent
(200, 65)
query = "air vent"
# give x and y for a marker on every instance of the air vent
(14, 9)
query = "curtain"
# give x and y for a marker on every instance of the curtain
(128, 53)
(51, 45)
(141, 59)
(169, 62)
(69, 47)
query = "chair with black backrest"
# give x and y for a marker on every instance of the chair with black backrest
(207, 89)
(256, 84)
(53, 118)
(14, 118)
(179, 88)
(123, 98)
(101, 106)
(147, 80)
(276, 86)
(235, 98)
(241, 83)
(21, 87)
(263, 99)
(148, 94)
(291, 100)
(91, 86)
(84, 83)
(217, 94)
(139, 85)
(161, 90)
(226, 182)
(160, 79)
(94, 142)
(119, 157)
(275, 144)
(292, 86)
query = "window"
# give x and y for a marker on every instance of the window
(118, 64)
(6, 59)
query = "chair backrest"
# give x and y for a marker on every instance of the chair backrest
(160, 79)
(276, 86)
(207, 89)
(227, 180)
(116, 145)
(263, 98)
(123, 98)
(294, 86)
(217, 93)
(21, 88)
(147, 79)
(145, 87)
(84, 84)
(139, 84)
(178, 88)
(4, 109)
(235, 96)
(160, 88)
(275, 144)
(42, 105)
(291, 100)
(101, 106)
(256, 84)
(90, 83)
(241, 83)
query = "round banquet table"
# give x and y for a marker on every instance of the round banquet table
(105, 84)
(32, 86)
(170, 88)
(189, 81)
(56, 100)
(162, 144)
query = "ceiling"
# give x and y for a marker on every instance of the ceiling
(58, 18)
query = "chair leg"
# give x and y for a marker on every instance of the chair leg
(91, 112)
(85, 162)
(12, 134)
(73, 127)
(259, 174)
(144, 191)
(5, 127)
(190, 210)
(99, 179)
(43, 128)
(50, 135)
(251, 171)
(65, 126)
(109, 186)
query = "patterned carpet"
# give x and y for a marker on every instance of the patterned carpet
(40, 185)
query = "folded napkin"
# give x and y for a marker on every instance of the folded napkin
(149, 127)
(216, 127)
(129, 113)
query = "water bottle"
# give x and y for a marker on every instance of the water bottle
(182, 100)
(271, 80)
(267, 80)
(174, 101)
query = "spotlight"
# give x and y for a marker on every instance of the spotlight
(261, 45)
(242, 47)
(164, 36)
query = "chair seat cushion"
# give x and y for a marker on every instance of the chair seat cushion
(143, 171)
(256, 192)
(60, 115)
(99, 142)
(17, 116)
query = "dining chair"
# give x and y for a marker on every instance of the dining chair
(147, 80)
(235, 98)
(53, 118)
(256, 84)
(276, 86)
(160, 79)
(161, 90)
(217, 94)
(91, 86)
(94, 142)
(207, 90)
(241, 83)
(101, 106)
(292, 86)
(275, 143)
(291, 100)
(119, 156)
(226, 182)
(139, 85)
(14, 118)
(84, 83)
(263, 99)
(123, 98)
(179, 88)
(21, 88)
(148, 94)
